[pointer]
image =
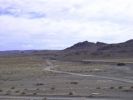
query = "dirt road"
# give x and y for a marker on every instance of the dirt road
(51, 66)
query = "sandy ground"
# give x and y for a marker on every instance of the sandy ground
(35, 76)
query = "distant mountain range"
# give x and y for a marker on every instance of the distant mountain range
(82, 50)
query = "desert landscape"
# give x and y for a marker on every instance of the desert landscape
(70, 74)
(66, 49)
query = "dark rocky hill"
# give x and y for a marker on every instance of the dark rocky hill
(90, 46)
(89, 49)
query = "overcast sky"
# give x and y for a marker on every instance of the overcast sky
(57, 24)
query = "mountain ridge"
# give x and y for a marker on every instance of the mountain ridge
(100, 49)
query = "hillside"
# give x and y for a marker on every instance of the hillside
(89, 49)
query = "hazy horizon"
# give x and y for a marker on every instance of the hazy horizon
(62, 48)
(58, 24)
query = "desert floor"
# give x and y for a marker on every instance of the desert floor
(34, 78)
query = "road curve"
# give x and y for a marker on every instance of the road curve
(51, 66)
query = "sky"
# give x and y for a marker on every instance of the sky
(57, 24)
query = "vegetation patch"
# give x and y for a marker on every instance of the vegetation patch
(75, 83)
(121, 64)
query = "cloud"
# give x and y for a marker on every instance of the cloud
(56, 24)
(17, 11)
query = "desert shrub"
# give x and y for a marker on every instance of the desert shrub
(39, 84)
(25, 89)
(70, 93)
(8, 92)
(52, 88)
(90, 71)
(37, 89)
(120, 87)
(13, 87)
(17, 91)
(23, 93)
(127, 90)
(121, 64)
(98, 87)
(35, 93)
(111, 87)
(74, 83)
(131, 87)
